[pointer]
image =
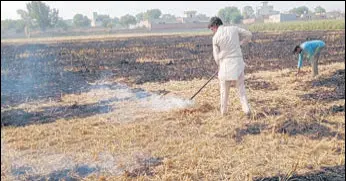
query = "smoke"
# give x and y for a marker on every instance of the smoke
(161, 103)
(37, 81)
(40, 165)
(145, 99)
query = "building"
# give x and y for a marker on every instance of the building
(160, 25)
(190, 14)
(320, 16)
(277, 18)
(249, 21)
(335, 15)
(188, 21)
(307, 16)
(149, 23)
(190, 17)
(95, 21)
(265, 10)
(243, 10)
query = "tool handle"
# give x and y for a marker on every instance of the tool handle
(204, 85)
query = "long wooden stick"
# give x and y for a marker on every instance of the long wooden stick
(204, 85)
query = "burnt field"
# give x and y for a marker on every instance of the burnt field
(48, 70)
(66, 113)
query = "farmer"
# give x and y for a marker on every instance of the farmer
(311, 49)
(228, 56)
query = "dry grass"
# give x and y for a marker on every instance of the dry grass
(195, 143)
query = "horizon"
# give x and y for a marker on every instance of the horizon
(176, 8)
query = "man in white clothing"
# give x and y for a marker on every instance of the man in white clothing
(229, 58)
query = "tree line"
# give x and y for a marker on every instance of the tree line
(39, 15)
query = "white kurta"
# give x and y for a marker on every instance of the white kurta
(227, 52)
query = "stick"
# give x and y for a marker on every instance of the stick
(204, 85)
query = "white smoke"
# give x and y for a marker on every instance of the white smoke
(162, 103)
(41, 165)
(145, 99)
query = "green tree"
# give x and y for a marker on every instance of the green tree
(152, 14)
(299, 10)
(81, 21)
(54, 17)
(12, 25)
(168, 17)
(39, 13)
(127, 20)
(140, 17)
(202, 17)
(230, 15)
(105, 19)
(248, 12)
(112, 23)
(29, 23)
(320, 10)
(25, 17)
(62, 24)
(115, 20)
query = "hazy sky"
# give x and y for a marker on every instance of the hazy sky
(67, 9)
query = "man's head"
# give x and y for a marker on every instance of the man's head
(297, 49)
(214, 24)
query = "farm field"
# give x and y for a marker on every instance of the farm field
(299, 26)
(117, 109)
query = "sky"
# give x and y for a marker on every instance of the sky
(67, 9)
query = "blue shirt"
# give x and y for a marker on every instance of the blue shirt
(309, 48)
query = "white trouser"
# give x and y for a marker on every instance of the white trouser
(224, 94)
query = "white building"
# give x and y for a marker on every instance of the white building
(277, 18)
(190, 17)
(335, 15)
(265, 10)
(190, 14)
(149, 23)
(313, 16)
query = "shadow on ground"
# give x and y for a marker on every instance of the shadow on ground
(335, 173)
(336, 81)
(311, 129)
(77, 173)
(19, 117)
(251, 129)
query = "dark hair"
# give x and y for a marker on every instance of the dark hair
(296, 49)
(215, 21)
